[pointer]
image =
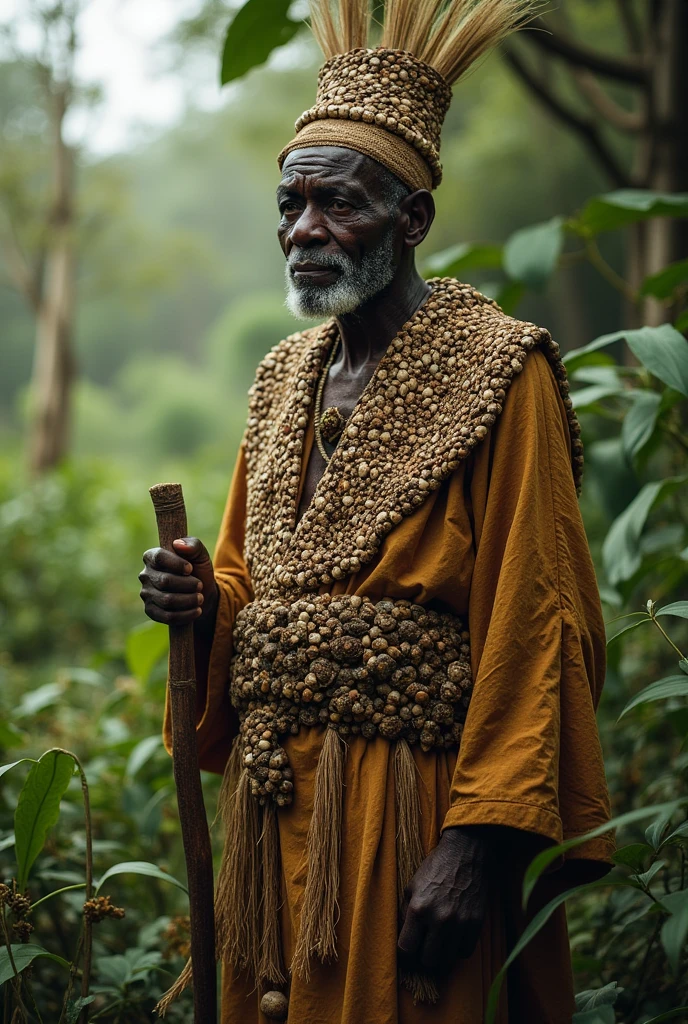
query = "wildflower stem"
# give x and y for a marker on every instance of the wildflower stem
(48, 896)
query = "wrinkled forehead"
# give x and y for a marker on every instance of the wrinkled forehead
(331, 166)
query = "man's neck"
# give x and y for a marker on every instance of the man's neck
(366, 333)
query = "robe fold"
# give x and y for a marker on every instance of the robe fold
(501, 544)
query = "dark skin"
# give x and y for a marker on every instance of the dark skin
(331, 199)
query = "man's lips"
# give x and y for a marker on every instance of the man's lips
(314, 272)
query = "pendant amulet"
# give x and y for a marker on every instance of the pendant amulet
(331, 424)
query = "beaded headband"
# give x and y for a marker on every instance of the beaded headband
(390, 102)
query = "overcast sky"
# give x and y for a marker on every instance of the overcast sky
(120, 51)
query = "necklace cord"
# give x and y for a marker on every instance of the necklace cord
(318, 401)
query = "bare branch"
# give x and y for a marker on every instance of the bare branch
(584, 127)
(622, 69)
(632, 29)
(630, 121)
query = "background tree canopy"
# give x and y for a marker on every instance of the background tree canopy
(152, 279)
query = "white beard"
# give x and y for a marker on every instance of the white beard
(355, 285)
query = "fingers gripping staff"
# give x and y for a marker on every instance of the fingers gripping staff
(170, 512)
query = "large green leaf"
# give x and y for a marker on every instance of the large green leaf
(139, 867)
(142, 753)
(465, 256)
(146, 645)
(531, 254)
(675, 929)
(654, 833)
(258, 28)
(23, 955)
(671, 686)
(663, 284)
(38, 808)
(546, 857)
(640, 421)
(581, 356)
(600, 1015)
(678, 608)
(678, 834)
(596, 997)
(42, 697)
(75, 1006)
(628, 629)
(627, 206)
(678, 1011)
(585, 398)
(633, 856)
(23, 760)
(663, 350)
(621, 555)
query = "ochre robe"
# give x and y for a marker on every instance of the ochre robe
(501, 543)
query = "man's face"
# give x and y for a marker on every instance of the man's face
(337, 230)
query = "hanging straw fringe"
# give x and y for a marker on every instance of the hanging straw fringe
(449, 36)
(238, 896)
(409, 852)
(409, 845)
(228, 788)
(184, 979)
(247, 900)
(422, 988)
(270, 968)
(320, 910)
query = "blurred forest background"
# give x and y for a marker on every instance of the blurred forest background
(140, 284)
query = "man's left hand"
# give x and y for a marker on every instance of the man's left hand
(446, 904)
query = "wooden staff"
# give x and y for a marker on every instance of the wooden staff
(170, 513)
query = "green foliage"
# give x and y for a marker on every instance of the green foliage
(531, 254)
(627, 206)
(462, 258)
(259, 27)
(38, 808)
(138, 867)
(146, 645)
(672, 686)
(23, 956)
(621, 553)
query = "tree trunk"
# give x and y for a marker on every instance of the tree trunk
(54, 366)
(53, 372)
(662, 158)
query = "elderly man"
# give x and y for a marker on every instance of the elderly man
(399, 641)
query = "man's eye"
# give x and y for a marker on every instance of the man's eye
(340, 206)
(287, 207)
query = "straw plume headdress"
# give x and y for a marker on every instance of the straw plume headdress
(390, 101)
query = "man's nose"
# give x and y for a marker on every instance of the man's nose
(309, 229)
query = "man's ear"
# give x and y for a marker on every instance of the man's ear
(418, 213)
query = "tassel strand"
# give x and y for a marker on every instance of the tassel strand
(320, 910)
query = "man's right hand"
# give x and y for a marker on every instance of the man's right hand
(179, 587)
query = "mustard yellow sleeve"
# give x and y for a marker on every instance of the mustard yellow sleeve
(530, 755)
(217, 723)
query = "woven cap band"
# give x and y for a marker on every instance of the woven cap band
(389, 150)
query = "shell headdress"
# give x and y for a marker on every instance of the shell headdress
(389, 101)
